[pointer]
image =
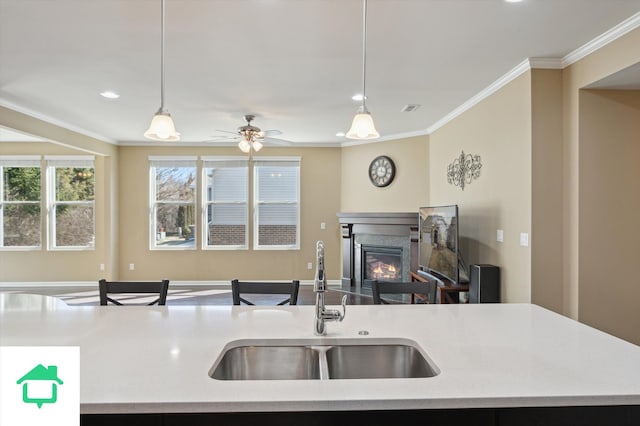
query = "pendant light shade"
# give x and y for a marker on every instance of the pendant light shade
(162, 127)
(362, 126)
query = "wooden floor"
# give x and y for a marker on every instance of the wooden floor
(197, 295)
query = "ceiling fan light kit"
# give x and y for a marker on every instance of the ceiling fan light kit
(362, 126)
(162, 127)
(244, 146)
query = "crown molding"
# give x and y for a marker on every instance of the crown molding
(394, 137)
(56, 122)
(546, 63)
(517, 71)
(602, 40)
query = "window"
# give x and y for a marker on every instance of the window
(173, 202)
(225, 213)
(276, 203)
(71, 202)
(20, 194)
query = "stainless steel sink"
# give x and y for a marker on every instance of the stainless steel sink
(316, 359)
(377, 362)
(268, 363)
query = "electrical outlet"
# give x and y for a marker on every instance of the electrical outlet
(500, 235)
(132, 267)
(323, 225)
(524, 239)
(309, 265)
(102, 266)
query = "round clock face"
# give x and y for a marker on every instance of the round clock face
(382, 171)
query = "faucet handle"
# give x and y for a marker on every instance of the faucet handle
(344, 308)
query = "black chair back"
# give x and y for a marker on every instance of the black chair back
(423, 292)
(108, 288)
(253, 287)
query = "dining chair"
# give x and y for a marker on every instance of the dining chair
(107, 288)
(421, 292)
(289, 288)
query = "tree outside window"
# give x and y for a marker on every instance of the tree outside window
(72, 203)
(20, 211)
(173, 204)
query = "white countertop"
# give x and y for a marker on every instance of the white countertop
(156, 359)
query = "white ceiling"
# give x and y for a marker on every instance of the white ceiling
(293, 63)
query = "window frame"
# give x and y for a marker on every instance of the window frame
(189, 161)
(256, 202)
(74, 161)
(206, 160)
(14, 161)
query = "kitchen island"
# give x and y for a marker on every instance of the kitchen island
(505, 361)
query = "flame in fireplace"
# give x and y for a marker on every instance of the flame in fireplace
(384, 271)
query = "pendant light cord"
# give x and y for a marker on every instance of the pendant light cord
(364, 54)
(162, 57)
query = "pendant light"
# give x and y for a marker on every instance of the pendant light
(362, 126)
(162, 127)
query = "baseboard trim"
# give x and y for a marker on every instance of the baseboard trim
(178, 283)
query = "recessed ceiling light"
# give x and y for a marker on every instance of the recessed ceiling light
(513, 1)
(357, 97)
(109, 94)
(340, 134)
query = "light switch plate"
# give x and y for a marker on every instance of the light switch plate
(323, 225)
(132, 267)
(524, 239)
(499, 235)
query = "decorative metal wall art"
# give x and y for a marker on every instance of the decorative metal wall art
(464, 169)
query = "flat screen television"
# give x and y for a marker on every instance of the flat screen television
(438, 252)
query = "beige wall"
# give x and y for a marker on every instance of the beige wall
(613, 57)
(609, 205)
(408, 191)
(45, 265)
(547, 252)
(320, 200)
(499, 130)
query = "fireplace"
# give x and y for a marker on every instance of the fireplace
(382, 246)
(381, 263)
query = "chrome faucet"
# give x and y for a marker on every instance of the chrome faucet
(319, 287)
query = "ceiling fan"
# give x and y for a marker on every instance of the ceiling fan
(250, 137)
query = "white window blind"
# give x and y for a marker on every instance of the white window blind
(277, 202)
(20, 161)
(226, 207)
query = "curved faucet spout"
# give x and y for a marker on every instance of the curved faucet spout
(319, 287)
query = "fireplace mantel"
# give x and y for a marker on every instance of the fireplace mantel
(394, 225)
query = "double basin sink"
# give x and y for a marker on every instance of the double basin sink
(273, 359)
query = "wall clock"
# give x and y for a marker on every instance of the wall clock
(382, 170)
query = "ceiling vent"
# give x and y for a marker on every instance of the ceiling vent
(410, 107)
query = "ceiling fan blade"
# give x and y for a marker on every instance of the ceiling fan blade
(226, 131)
(271, 132)
(276, 141)
(221, 139)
